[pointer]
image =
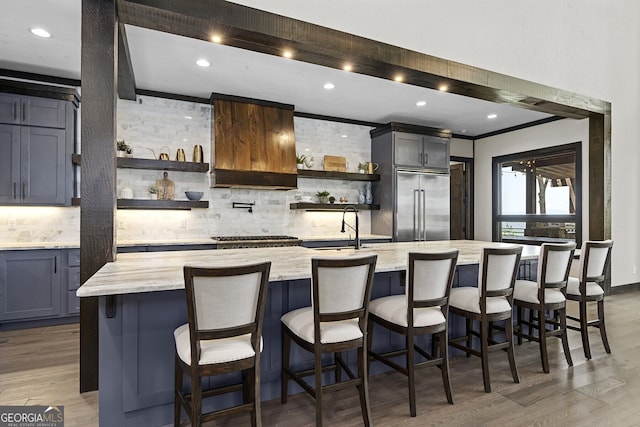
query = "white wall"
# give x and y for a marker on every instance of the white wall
(591, 47)
(461, 148)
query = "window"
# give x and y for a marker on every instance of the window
(537, 194)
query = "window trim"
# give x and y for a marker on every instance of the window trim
(497, 216)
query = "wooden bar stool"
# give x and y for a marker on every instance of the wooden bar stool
(548, 293)
(594, 259)
(225, 307)
(336, 322)
(491, 301)
(422, 310)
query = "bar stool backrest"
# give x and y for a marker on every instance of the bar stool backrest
(341, 283)
(498, 269)
(594, 259)
(432, 274)
(554, 263)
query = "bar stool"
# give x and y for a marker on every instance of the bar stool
(491, 301)
(546, 294)
(225, 308)
(336, 322)
(422, 310)
(594, 259)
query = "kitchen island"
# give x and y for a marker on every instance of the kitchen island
(141, 301)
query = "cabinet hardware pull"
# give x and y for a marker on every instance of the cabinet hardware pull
(15, 185)
(24, 112)
(24, 190)
(55, 265)
(15, 111)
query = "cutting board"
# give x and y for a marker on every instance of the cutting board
(335, 163)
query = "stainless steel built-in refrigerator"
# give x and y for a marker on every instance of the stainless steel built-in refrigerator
(421, 206)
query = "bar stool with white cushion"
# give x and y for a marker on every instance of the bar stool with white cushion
(225, 308)
(547, 293)
(335, 322)
(423, 309)
(491, 301)
(587, 287)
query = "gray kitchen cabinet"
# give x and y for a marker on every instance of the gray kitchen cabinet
(421, 151)
(33, 166)
(32, 111)
(30, 284)
(72, 279)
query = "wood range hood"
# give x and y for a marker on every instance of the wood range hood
(253, 144)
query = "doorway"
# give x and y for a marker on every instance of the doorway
(461, 199)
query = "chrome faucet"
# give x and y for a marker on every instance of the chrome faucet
(357, 227)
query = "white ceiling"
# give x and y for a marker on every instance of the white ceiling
(166, 63)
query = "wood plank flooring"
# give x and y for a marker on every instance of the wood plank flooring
(40, 366)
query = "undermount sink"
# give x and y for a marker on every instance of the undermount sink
(340, 248)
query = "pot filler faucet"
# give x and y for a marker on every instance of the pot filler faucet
(357, 227)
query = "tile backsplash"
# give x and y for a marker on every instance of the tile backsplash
(151, 125)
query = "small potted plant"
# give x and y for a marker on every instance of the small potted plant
(153, 192)
(362, 167)
(332, 199)
(300, 158)
(323, 196)
(124, 149)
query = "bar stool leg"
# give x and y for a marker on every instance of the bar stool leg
(603, 330)
(508, 329)
(562, 316)
(286, 349)
(584, 332)
(444, 366)
(484, 355)
(176, 400)
(318, 387)
(411, 375)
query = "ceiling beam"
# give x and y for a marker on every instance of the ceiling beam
(268, 33)
(126, 78)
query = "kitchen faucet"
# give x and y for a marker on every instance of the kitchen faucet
(357, 227)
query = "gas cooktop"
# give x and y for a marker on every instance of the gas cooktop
(234, 242)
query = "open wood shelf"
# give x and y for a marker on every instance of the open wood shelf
(152, 164)
(332, 206)
(154, 204)
(351, 176)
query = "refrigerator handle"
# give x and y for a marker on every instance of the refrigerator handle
(416, 214)
(423, 236)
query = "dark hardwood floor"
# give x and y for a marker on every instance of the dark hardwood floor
(40, 366)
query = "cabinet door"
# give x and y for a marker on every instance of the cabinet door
(407, 149)
(436, 152)
(42, 173)
(43, 112)
(29, 284)
(9, 164)
(9, 109)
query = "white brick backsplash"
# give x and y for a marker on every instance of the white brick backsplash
(155, 122)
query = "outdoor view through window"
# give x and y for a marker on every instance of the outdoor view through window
(538, 195)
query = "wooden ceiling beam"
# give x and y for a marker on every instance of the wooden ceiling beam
(268, 33)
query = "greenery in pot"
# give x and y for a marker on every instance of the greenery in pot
(300, 158)
(153, 192)
(323, 196)
(362, 167)
(121, 145)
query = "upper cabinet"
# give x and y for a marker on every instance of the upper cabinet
(412, 146)
(37, 136)
(32, 111)
(254, 144)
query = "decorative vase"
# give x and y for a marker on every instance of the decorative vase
(361, 198)
(368, 197)
(126, 192)
(324, 200)
(153, 196)
(119, 153)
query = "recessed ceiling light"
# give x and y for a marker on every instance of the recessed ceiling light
(203, 62)
(398, 78)
(287, 54)
(443, 88)
(188, 117)
(492, 116)
(40, 32)
(463, 130)
(216, 39)
(329, 86)
(421, 103)
(347, 67)
(344, 136)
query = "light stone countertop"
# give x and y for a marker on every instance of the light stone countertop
(161, 271)
(17, 246)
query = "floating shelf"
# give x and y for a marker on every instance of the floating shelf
(154, 204)
(169, 165)
(352, 176)
(332, 206)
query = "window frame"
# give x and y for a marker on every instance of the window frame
(497, 217)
